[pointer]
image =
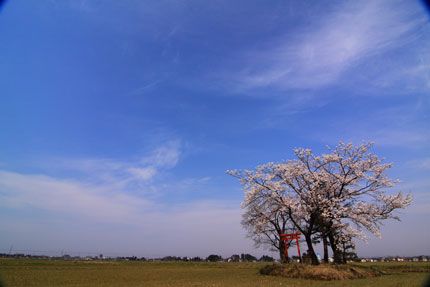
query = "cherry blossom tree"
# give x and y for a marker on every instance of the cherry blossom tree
(351, 184)
(265, 222)
(265, 189)
(335, 196)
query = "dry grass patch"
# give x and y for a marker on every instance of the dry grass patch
(55, 273)
(320, 272)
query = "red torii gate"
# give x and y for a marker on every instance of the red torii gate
(291, 236)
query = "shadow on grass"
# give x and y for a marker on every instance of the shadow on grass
(427, 281)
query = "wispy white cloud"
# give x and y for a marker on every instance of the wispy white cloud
(146, 87)
(74, 208)
(189, 188)
(322, 53)
(390, 127)
(392, 136)
(388, 136)
(101, 189)
(286, 111)
(95, 196)
(120, 173)
(84, 6)
(69, 197)
(421, 163)
(196, 229)
(166, 155)
(99, 202)
(145, 173)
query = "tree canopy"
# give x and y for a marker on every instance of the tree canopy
(335, 196)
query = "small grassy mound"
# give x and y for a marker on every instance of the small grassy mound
(320, 272)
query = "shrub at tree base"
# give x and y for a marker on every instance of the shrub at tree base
(320, 272)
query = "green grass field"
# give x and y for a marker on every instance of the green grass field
(46, 273)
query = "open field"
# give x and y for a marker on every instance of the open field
(46, 273)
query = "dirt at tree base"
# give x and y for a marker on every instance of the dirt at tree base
(320, 272)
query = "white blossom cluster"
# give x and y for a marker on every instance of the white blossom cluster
(339, 194)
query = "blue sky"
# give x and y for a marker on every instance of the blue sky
(119, 119)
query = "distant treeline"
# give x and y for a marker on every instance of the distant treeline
(216, 258)
(211, 258)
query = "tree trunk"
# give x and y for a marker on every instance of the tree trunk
(337, 256)
(325, 243)
(311, 251)
(282, 254)
(344, 254)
